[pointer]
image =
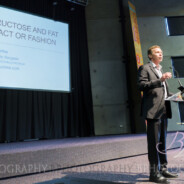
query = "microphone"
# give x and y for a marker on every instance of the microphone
(181, 87)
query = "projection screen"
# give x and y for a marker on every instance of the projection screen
(34, 52)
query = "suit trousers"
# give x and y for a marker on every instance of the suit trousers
(156, 139)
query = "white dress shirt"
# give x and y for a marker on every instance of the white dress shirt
(158, 70)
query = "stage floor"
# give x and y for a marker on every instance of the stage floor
(126, 170)
(31, 157)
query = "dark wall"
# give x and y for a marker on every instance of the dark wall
(134, 102)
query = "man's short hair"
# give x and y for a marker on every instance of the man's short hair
(150, 49)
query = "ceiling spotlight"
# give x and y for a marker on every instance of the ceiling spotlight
(80, 2)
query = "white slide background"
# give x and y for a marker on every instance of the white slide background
(34, 52)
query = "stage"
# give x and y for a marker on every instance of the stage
(29, 157)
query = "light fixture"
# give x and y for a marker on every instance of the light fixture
(80, 2)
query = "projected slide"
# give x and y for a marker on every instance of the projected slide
(34, 52)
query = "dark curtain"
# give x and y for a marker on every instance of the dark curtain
(50, 115)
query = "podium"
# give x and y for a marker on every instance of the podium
(181, 111)
(179, 99)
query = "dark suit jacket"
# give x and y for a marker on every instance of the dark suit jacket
(153, 102)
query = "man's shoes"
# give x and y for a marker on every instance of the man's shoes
(168, 174)
(158, 179)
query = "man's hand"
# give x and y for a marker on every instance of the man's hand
(165, 76)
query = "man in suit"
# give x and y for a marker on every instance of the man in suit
(155, 110)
